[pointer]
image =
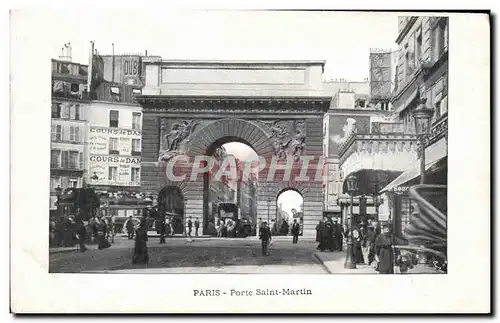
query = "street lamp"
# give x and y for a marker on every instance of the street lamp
(352, 187)
(268, 209)
(422, 116)
(185, 216)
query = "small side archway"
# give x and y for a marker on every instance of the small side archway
(289, 207)
(172, 204)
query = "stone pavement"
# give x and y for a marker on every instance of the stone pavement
(333, 263)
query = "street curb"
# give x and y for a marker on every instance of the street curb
(325, 267)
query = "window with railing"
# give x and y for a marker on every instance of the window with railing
(136, 120)
(136, 172)
(74, 134)
(114, 116)
(74, 160)
(57, 132)
(55, 158)
(56, 110)
(113, 146)
(113, 173)
(136, 147)
(439, 38)
(65, 159)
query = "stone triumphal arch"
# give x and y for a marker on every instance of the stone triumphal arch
(276, 108)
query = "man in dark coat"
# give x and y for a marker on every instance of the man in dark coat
(196, 227)
(130, 228)
(328, 235)
(190, 226)
(318, 227)
(82, 234)
(162, 228)
(321, 236)
(337, 236)
(265, 236)
(295, 231)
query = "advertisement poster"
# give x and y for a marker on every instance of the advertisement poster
(341, 127)
(99, 167)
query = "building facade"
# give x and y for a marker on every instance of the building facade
(114, 146)
(68, 126)
(422, 74)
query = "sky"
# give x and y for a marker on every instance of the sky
(341, 39)
(290, 199)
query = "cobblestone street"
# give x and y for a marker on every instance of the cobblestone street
(197, 256)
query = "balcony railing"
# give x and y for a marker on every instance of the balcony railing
(439, 130)
(57, 166)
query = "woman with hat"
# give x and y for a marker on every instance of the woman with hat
(141, 249)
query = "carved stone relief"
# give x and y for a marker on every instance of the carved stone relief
(174, 135)
(288, 137)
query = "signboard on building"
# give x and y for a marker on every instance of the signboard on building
(99, 140)
(113, 168)
(381, 71)
(341, 127)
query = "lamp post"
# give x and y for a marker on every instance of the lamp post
(268, 209)
(184, 222)
(422, 116)
(352, 187)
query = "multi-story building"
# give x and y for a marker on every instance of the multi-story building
(68, 125)
(422, 73)
(115, 132)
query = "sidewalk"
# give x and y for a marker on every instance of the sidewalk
(333, 263)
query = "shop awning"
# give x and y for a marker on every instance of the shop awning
(411, 174)
(371, 180)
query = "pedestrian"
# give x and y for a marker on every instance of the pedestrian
(196, 226)
(295, 231)
(265, 236)
(370, 244)
(82, 235)
(259, 225)
(321, 233)
(318, 226)
(162, 228)
(329, 235)
(384, 254)
(140, 255)
(130, 228)
(190, 226)
(356, 246)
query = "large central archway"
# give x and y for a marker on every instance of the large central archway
(271, 127)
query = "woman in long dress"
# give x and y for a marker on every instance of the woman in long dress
(141, 249)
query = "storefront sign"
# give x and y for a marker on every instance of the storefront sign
(116, 159)
(113, 170)
(400, 189)
(115, 131)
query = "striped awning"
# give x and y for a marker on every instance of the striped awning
(406, 177)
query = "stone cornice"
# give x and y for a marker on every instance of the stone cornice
(349, 147)
(261, 105)
(406, 29)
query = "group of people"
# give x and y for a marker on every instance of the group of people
(67, 232)
(372, 244)
(329, 234)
